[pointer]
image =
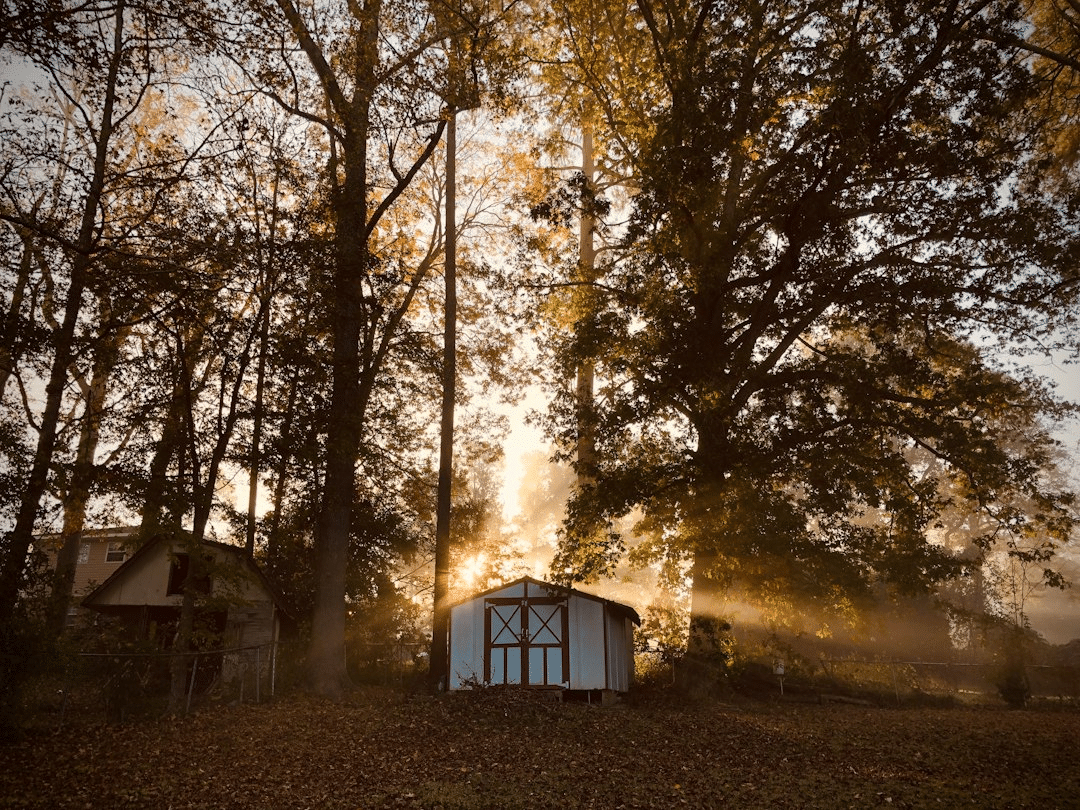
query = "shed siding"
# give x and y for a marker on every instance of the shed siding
(251, 614)
(515, 591)
(467, 644)
(599, 640)
(586, 644)
(620, 651)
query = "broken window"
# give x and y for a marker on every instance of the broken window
(178, 573)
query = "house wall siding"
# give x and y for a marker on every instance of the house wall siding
(93, 548)
(95, 570)
(146, 583)
(251, 625)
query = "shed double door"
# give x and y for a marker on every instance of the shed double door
(526, 641)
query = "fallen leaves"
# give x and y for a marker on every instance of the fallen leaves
(383, 751)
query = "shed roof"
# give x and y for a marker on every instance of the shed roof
(618, 607)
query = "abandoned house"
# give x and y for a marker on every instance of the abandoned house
(236, 602)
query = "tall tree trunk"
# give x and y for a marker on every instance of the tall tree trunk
(706, 647)
(273, 532)
(352, 316)
(9, 331)
(268, 273)
(19, 540)
(162, 504)
(203, 486)
(178, 664)
(155, 497)
(326, 653)
(709, 637)
(441, 620)
(82, 478)
(586, 372)
(256, 434)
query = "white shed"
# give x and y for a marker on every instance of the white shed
(532, 633)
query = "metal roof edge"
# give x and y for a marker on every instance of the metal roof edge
(618, 606)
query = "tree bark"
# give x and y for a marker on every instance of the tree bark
(155, 497)
(268, 275)
(326, 653)
(586, 372)
(443, 511)
(256, 434)
(203, 485)
(20, 538)
(273, 533)
(82, 479)
(706, 648)
(355, 319)
(162, 503)
(9, 335)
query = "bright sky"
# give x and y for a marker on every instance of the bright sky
(523, 440)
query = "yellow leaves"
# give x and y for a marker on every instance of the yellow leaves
(750, 149)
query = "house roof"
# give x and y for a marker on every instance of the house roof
(618, 607)
(53, 540)
(147, 548)
(109, 533)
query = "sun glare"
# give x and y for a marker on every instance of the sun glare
(471, 569)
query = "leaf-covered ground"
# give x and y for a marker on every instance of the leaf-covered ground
(383, 750)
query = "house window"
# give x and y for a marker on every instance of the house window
(178, 572)
(84, 553)
(115, 553)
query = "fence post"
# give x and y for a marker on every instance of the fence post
(64, 686)
(191, 686)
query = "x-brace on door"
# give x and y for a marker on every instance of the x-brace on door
(526, 641)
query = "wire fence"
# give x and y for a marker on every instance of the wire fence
(912, 680)
(877, 680)
(115, 686)
(126, 684)
(122, 684)
(386, 662)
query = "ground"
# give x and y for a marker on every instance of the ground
(382, 749)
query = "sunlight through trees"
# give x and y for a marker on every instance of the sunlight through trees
(783, 271)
